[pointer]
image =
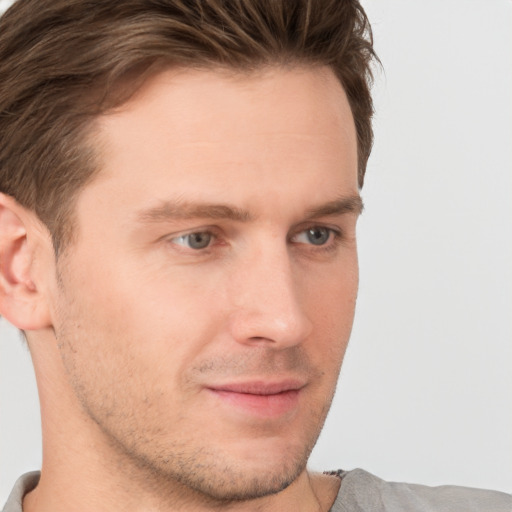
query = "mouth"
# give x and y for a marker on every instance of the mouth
(260, 398)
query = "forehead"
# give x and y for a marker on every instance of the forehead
(233, 110)
(217, 134)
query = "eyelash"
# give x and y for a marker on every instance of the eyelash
(335, 238)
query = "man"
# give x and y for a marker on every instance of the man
(180, 188)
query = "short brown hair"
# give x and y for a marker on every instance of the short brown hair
(64, 62)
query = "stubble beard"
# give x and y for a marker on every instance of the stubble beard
(202, 475)
(185, 471)
(189, 470)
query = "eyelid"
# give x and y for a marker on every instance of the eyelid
(336, 230)
(183, 237)
(214, 233)
(335, 236)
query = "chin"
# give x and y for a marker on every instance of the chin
(243, 482)
(238, 471)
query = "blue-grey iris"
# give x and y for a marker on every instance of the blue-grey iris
(199, 240)
(318, 235)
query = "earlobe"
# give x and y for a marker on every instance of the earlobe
(21, 302)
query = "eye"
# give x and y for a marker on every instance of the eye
(197, 241)
(316, 235)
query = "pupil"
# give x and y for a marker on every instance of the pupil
(199, 240)
(318, 236)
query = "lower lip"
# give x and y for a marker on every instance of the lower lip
(261, 405)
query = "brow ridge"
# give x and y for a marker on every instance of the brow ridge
(182, 210)
(179, 210)
(351, 204)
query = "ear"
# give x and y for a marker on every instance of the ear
(21, 300)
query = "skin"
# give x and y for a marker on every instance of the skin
(188, 343)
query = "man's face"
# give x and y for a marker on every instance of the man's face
(204, 310)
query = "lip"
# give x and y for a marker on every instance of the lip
(260, 398)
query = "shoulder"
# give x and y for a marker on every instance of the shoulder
(361, 491)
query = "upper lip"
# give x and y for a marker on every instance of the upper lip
(260, 387)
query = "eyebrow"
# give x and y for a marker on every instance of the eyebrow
(183, 210)
(352, 204)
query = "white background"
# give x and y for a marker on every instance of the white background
(425, 393)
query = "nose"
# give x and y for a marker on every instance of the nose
(269, 303)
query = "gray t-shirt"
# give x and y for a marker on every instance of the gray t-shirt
(362, 492)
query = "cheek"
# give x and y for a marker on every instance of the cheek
(331, 307)
(124, 355)
(140, 326)
(331, 294)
